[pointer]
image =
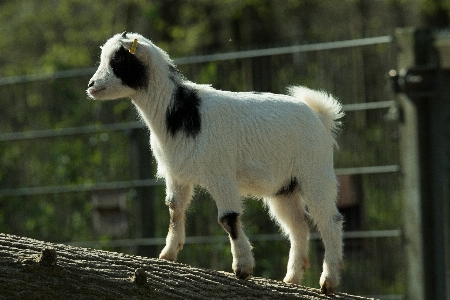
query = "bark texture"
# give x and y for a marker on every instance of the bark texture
(32, 269)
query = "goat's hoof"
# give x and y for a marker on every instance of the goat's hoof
(293, 279)
(166, 255)
(327, 288)
(243, 271)
(168, 258)
(240, 274)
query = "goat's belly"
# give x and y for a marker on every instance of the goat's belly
(257, 180)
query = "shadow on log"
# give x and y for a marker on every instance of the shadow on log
(31, 269)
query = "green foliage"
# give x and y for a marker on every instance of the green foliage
(47, 36)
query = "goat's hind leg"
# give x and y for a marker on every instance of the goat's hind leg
(322, 208)
(177, 199)
(331, 231)
(289, 212)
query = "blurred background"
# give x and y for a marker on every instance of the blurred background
(78, 171)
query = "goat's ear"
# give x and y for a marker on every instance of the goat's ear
(133, 46)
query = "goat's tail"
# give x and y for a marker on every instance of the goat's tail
(326, 106)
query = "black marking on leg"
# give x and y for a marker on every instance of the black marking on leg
(183, 114)
(229, 223)
(338, 218)
(130, 69)
(288, 188)
(170, 202)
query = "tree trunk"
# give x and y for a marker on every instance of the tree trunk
(31, 269)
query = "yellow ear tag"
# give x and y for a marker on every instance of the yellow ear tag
(133, 47)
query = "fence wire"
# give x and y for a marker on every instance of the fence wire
(211, 58)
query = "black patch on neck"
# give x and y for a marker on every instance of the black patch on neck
(183, 114)
(289, 188)
(130, 69)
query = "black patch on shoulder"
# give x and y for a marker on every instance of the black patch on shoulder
(183, 114)
(229, 223)
(288, 188)
(129, 69)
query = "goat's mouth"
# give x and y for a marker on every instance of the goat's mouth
(95, 91)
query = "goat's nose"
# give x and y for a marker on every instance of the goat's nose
(91, 83)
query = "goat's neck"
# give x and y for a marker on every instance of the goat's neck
(152, 106)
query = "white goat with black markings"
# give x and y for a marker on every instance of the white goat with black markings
(275, 147)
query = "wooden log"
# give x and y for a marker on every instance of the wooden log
(32, 269)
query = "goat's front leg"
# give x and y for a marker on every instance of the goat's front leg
(178, 197)
(229, 206)
(241, 248)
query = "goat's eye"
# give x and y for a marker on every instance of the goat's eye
(116, 59)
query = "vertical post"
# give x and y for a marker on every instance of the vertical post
(442, 206)
(145, 195)
(425, 154)
(409, 161)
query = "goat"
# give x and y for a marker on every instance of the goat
(275, 147)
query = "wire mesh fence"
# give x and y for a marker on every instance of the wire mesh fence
(51, 166)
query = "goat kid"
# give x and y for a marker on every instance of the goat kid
(275, 147)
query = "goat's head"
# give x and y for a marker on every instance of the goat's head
(123, 69)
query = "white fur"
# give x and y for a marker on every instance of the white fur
(249, 144)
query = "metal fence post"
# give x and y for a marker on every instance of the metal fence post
(423, 98)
